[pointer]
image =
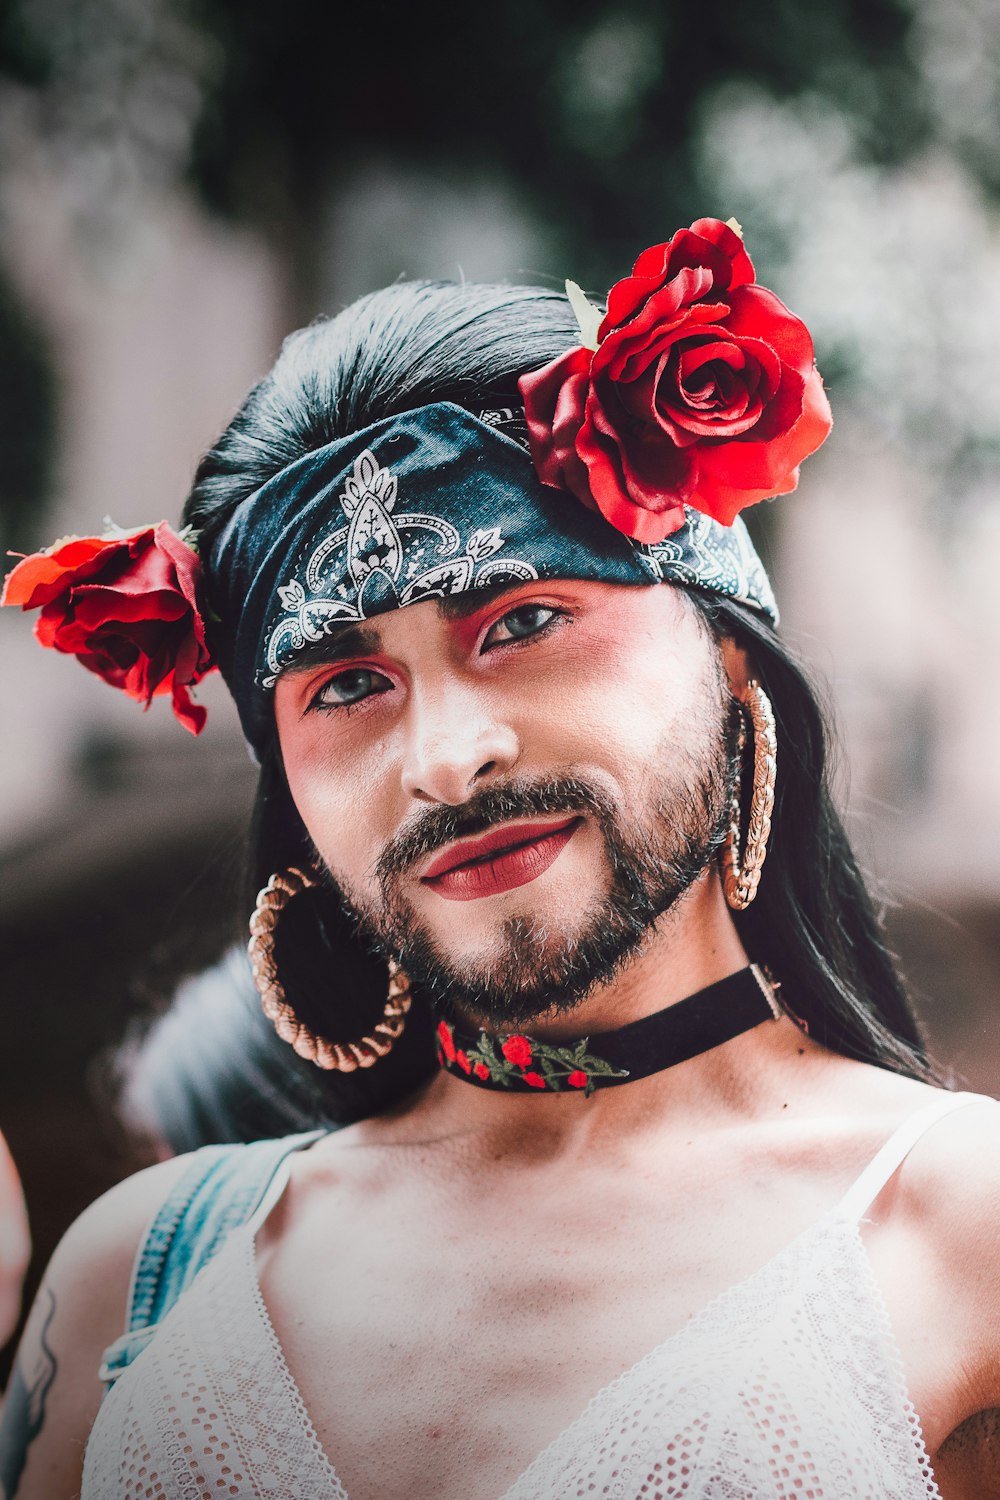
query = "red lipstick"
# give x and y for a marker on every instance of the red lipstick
(499, 860)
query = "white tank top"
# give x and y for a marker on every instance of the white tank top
(788, 1384)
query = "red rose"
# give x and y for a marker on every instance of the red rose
(702, 391)
(578, 1080)
(463, 1062)
(445, 1038)
(481, 1070)
(517, 1050)
(536, 1080)
(127, 607)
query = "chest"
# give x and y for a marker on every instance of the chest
(444, 1343)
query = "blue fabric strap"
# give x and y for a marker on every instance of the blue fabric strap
(220, 1190)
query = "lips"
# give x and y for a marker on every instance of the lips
(499, 860)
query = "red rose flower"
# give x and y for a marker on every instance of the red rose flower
(127, 607)
(481, 1070)
(702, 391)
(536, 1080)
(445, 1038)
(517, 1050)
(463, 1061)
(578, 1079)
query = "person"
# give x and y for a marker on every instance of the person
(15, 1243)
(648, 1187)
(209, 1069)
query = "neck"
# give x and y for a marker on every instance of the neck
(693, 946)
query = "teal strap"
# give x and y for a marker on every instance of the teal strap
(219, 1191)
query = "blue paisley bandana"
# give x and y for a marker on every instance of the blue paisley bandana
(432, 502)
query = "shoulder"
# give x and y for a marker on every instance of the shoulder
(54, 1390)
(949, 1193)
(952, 1176)
(94, 1259)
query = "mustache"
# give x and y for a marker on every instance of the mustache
(524, 798)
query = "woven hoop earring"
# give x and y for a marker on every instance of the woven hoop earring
(741, 878)
(342, 1057)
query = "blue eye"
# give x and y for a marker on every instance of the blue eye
(521, 623)
(350, 687)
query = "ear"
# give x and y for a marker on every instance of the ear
(738, 667)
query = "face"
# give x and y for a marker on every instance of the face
(509, 789)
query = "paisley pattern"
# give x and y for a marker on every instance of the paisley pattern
(423, 504)
(707, 555)
(381, 559)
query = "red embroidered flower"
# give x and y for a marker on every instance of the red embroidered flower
(127, 607)
(702, 391)
(463, 1062)
(517, 1050)
(481, 1070)
(577, 1080)
(445, 1038)
(536, 1080)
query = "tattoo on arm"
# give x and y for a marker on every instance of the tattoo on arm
(23, 1409)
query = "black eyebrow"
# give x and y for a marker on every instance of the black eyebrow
(351, 639)
(343, 641)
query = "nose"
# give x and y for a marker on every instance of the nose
(455, 743)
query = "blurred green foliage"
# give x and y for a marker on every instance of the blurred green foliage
(590, 114)
(589, 109)
(28, 413)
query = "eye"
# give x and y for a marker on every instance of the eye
(350, 687)
(521, 623)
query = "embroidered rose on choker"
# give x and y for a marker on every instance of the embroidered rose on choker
(696, 388)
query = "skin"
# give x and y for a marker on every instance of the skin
(508, 1256)
(15, 1243)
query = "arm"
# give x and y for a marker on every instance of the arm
(54, 1391)
(15, 1243)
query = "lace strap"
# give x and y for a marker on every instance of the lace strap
(865, 1189)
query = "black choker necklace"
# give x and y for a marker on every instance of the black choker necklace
(519, 1064)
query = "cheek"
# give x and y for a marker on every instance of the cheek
(624, 693)
(339, 803)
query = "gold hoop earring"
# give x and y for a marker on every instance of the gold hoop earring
(741, 878)
(342, 1057)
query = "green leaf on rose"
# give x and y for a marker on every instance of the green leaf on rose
(587, 315)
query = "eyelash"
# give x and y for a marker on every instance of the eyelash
(557, 617)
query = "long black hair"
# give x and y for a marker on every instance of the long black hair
(813, 922)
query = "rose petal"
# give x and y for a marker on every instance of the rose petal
(741, 271)
(735, 475)
(625, 356)
(43, 576)
(628, 301)
(756, 313)
(642, 493)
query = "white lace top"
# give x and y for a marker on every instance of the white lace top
(787, 1385)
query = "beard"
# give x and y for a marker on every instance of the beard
(654, 848)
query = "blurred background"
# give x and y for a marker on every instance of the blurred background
(184, 181)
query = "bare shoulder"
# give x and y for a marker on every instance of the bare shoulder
(54, 1389)
(952, 1179)
(949, 1191)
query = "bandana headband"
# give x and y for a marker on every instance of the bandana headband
(433, 502)
(694, 395)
